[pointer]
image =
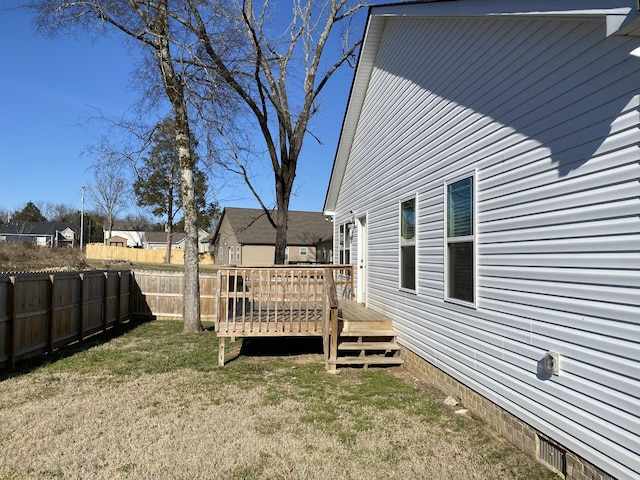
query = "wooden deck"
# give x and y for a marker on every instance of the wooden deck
(270, 319)
(304, 301)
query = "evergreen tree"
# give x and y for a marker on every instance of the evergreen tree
(30, 213)
(157, 186)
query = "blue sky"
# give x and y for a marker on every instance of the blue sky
(50, 88)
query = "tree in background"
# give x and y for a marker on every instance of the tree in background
(208, 217)
(59, 212)
(157, 28)
(29, 213)
(278, 77)
(157, 185)
(110, 193)
(5, 215)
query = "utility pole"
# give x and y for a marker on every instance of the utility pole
(82, 220)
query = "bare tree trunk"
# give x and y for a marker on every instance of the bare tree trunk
(174, 89)
(284, 185)
(169, 229)
(167, 253)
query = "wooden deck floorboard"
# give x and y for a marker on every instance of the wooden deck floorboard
(268, 320)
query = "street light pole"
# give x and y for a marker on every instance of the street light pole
(82, 221)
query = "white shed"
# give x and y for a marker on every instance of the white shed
(487, 184)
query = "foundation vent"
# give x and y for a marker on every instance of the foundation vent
(552, 456)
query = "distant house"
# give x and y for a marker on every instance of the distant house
(158, 240)
(50, 234)
(486, 183)
(132, 232)
(245, 237)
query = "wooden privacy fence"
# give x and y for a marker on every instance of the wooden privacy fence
(40, 312)
(141, 255)
(160, 295)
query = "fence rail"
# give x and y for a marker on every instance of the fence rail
(41, 312)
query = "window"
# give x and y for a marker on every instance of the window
(221, 253)
(286, 254)
(238, 253)
(303, 251)
(345, 243)
(460, 240)
(408, 244)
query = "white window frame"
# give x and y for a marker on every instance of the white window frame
(345, 236)
(221, 253)
(237, 253)
(462, 239)
(408, 243)
(304, 251)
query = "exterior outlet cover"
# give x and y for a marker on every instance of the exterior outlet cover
(552, 363)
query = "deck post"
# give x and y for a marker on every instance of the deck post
(333, 349)
(330, 323)
(221, 343)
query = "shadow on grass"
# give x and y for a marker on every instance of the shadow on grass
(280, 346)
(29, 365)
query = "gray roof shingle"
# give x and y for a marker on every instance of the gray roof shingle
(252, 227)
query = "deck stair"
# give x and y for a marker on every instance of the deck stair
(365, 343)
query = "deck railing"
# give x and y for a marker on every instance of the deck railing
(263, 301)
(286, 300)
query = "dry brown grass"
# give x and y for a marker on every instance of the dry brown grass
(116, 411)
(29, 257)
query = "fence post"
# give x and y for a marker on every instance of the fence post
(82, 305)
(105, 301)
(51, 315)
(13, 319)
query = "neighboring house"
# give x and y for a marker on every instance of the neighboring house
(132, 232)
(158, 240)
(139, 235)
(490, 156)
(50, 234)
(244, 236)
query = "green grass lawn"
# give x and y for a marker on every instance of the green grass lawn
(146, 401)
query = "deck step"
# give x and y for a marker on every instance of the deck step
(367, 325)
(360, 332)
(367, 360)
(368, 346)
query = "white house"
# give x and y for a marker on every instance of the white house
(487, 182)
(132, 232)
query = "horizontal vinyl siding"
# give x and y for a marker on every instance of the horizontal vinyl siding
(546, 112)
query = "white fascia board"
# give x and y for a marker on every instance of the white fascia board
(364, 68)
(616, 15)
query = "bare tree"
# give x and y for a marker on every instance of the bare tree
(109, 193)
(278, 78)
(157, 27)
(58, 212)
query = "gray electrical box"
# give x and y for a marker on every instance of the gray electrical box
(552, 363)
